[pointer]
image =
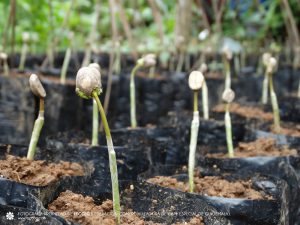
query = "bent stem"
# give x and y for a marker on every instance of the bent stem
(205, 101)
(23, 56)
(65, 66)
(95, 124)
(38, 125)
(193, 146)
(228, 132)
(112, 160)
(265, 89)
(132, 97)
(274, 105)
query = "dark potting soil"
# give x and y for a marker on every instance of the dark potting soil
(38, 172)
(245, 111)
(213, 186)
(259, 147)
(68, 203)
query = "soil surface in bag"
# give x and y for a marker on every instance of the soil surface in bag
(263, 155)
(37, 178)
(213, 186)
(240, 211)
(37, 172)
(251, 112)
(259, 147)
(68, 202)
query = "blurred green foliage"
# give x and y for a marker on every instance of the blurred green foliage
(255, 23)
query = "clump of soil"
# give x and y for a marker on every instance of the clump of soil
(294, 132)
(259, 147)
(212, 186)
(83, 210)
(37, 172)
(245, 111)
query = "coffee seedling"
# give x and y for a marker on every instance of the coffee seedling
(265, 60)
(227, 56)
(271, 67)
(3, 58)
(205, 104)
(66, 59)
(228, 97)
(196, 80)
(25, 39)
(146, 61)
(88, 85)
(39, 91)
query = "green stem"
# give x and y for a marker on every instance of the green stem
(38, 125)
(274, 105)
(112, 161)
(193, 147)
(237, 65)
(228, 132)
(132, 97)
(23, 57)
(205, 101)
(195, 101)
(95, 124)
(265, 89)
(65, 66)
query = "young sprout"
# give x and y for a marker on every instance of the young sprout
(196, 80)
(66, 59)
(95, 112)
(271, 67)
(227, 56)
(38, 90)
(146, 61)
(3, 57)
(265, 60)
(25, 39)
(88, 85)
(228, 97)
(205, 104)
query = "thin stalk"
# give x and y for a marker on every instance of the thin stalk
(228, 132)
(237, 65)
(112, 161)
(193, 147)
(274, 105)
(195, 101)
(38, 125)
(132, 97)
(180, 62)
(5, 68)
(298, 90)
(65, 66)
(23, 56)
(227, 74)
(95, 124)
(152, 72)
(265, 89)
(205, 103)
